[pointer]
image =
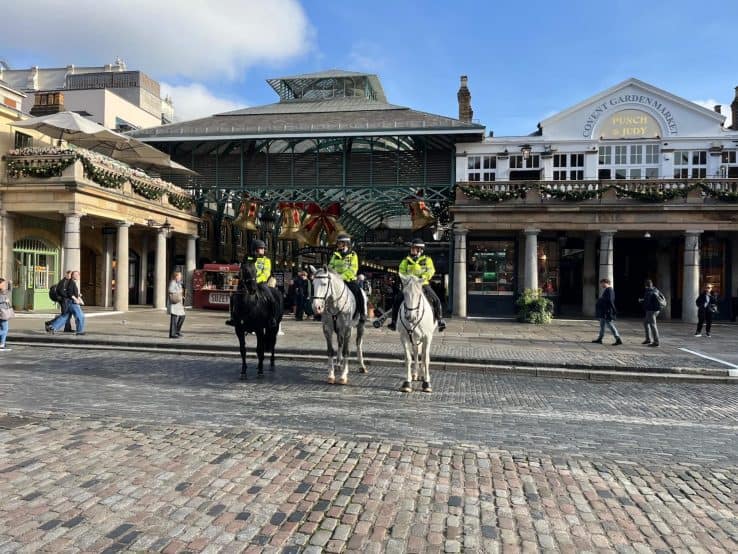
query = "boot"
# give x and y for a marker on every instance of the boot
(229, 321)
(617, 341)
(597, 341)
(392, 326)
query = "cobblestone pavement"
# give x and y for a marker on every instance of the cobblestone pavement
(565, 343)
(106, 451)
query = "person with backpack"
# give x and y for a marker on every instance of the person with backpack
(653, 302)
(706, 308)
(59, 293)
(74, 309)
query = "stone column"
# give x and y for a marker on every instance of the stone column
(71, 243)
(732, 287)
(606, 256)
(663, 270)
(589, 277)
(160, 270)
(190, 266)
(460, 272)
(121, 274)
(530, 279)
(144, 270)
(691, 283)
(107, 269)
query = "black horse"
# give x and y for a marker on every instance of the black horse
(256, 309)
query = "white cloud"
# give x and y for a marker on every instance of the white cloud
(194, 100)
(710, 105)
(188, 38)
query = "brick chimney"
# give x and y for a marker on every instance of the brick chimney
(717, 108)
(45, 103)
(734, 111)
(464, 96)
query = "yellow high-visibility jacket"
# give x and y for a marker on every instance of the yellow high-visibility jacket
(421, 267)
(347, 266)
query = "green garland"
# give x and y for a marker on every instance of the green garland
(571, 195)
(103, 177)
(649, 195)
(493, 196)
(51, 168)
(722, 195)
(147, 190)
(180, 201)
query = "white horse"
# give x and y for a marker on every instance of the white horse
(416, 331)
(336, 305)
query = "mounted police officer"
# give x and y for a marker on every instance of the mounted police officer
(419, 265)
(263, 267)
(345, 262)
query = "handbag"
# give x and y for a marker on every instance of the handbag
(175, 297)
(7, 313)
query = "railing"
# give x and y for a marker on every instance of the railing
(25, 164)
(599, 191)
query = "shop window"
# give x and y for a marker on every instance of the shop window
(548, 267)
(491, 267)
(712, 265)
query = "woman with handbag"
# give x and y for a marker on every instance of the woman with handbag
(706, 308)
(6, 314)
(175, 305)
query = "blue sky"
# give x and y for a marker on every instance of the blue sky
(525, 60)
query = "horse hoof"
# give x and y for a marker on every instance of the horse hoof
(331, 380)
(343, 381)
(406, 387)
(427, 387)
(362, 369)
(243, 377)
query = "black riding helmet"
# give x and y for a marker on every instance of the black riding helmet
(255, 245)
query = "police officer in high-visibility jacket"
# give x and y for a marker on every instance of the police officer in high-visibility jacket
(419, 265)
(263, 267)
(345, 262)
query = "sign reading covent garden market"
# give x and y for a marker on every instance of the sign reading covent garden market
(629, 123)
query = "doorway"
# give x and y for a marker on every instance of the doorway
(88, 271)
(634, 262)
(572, 278)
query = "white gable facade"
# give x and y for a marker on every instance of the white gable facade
(631, 184)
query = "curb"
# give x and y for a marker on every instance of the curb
(511, 367)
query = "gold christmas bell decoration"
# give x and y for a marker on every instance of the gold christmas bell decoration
(248, 214)
(291, 220)
(420, 215)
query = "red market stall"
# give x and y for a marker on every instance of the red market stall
(213, 285)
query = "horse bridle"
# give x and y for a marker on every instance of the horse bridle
(407, 310)
(323, 298)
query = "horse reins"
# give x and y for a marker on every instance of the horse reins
(407, 310)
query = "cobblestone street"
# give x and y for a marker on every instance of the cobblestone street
(106, 451)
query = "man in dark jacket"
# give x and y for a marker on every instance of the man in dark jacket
(706, 308)
(606, 312)
(652, 307)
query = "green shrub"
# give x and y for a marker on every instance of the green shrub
(533, 307)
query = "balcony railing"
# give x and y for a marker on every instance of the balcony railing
(599, 192)
(30, 164)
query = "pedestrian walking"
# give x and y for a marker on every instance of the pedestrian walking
(653, 302)
(175, 305)
(74, 309)
(62, 290)
(301, 296)
(706, 308)
(6, 314)
(606, 312)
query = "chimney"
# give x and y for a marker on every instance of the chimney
(717, 108)
(464, 96)
(45, 103)
(734, 111)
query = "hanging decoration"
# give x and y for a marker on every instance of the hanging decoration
(420, 214)
(291, 220)
(248, 214)
(318, 219)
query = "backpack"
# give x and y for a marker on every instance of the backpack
(661, 298)
(54, 293)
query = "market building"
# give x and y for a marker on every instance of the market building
(331, 154)
(632, 183)
(63, 207)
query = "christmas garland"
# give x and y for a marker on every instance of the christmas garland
(650, 195)
(103, 177)
(494, 196)
(147, 190)
(723, 195)
(571, 195)
(180, 201)
(50, 168)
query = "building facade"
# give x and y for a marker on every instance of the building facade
(633, 183)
